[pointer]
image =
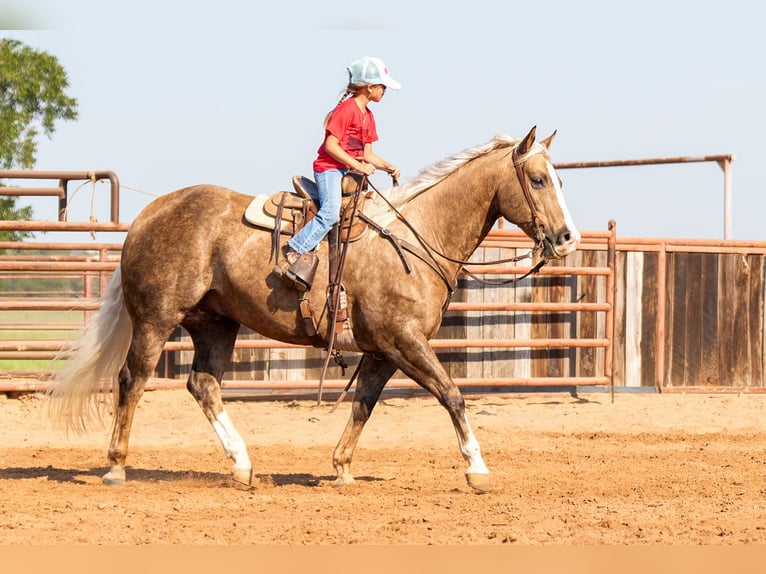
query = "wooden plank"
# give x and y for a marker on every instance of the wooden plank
(618, 345)
(633, 318)
(741, 333)
(498, 363)
(755, 320)
(708, 374)
(522, 325)
(571, 325)
(677, 327)
(556, 326)
(692, 320)
(546, 362)
(762, 299)
(539, 327)
(667, 349)
(726, 323)
(455, 324)
(587, 322)
(250, 364)
(601, 328)
(649, 300)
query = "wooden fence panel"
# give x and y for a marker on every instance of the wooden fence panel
(715, 319)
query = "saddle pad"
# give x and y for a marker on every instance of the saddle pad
(259, 214)
(256, 215)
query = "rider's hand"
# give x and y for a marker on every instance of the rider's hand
(367, 168)
(393, 171)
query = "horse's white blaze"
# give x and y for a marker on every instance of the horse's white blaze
(471, 452)
(232, 443)
(562, 203)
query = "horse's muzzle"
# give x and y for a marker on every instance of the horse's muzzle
(562, 245)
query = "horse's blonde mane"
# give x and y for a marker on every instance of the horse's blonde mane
(436, 172)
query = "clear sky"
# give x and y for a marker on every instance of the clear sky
(234, 93)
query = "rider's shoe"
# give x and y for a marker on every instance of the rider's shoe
(296, 270)
(280, 269)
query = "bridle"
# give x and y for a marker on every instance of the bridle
(539, 235)
(518, 163)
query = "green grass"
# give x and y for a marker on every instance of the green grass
(8, 332)
(28, 365)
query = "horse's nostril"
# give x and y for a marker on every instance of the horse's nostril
(565, 237)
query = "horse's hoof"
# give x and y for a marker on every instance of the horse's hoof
(243, 474)
(242, 477)
(342, 481)
(114, 478)
(481, 483)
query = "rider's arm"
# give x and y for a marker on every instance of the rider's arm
(373, 158)
(334, 150)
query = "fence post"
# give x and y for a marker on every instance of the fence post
(611, 258)
(659, 368)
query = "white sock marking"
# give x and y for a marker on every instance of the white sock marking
(232, 443)
(472, 453)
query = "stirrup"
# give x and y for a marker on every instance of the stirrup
(300, 274)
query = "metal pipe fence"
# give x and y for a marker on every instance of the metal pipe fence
(102, 258)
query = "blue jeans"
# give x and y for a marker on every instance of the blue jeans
(328, 197)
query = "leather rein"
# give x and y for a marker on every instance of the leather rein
(430, 251)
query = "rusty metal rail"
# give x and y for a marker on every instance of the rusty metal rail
(61, 190)
(104, 261)
(724, 161)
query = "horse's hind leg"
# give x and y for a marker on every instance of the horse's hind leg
(143, 355)
(373, 376)
(213, 344)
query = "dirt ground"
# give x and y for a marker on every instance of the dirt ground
(647, 469)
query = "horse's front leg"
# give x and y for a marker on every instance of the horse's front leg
(373, 376)
(418, 361)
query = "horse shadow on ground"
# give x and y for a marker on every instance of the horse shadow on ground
(304, 479)
(78, 476)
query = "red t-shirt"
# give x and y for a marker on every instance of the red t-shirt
(353, 127)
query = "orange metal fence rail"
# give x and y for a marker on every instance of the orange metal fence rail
(106, 261)
(61, 191)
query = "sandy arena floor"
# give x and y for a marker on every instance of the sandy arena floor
(648, 469)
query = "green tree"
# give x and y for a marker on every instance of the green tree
(32, 98)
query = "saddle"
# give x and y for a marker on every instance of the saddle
(286, 213)
(289, 212)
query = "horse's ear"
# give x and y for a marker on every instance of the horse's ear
(526, 143)
(549, 140)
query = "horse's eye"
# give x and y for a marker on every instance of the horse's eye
(537, 182)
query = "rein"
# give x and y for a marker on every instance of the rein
(518, 163)
(333, 300)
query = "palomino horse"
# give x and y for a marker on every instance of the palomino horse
(189, 259)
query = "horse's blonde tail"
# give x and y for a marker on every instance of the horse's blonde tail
(94, 357)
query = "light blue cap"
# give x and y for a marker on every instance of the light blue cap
(370, 70)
